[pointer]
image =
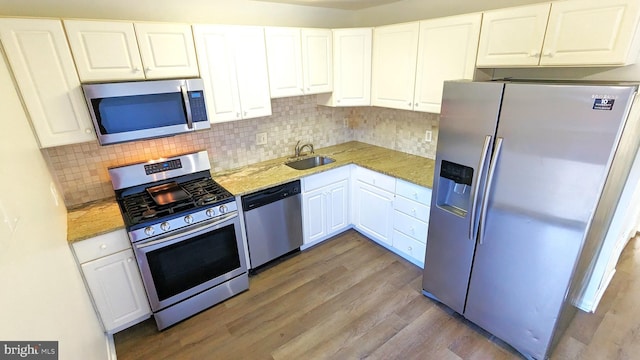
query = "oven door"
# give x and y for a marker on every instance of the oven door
(184, 264)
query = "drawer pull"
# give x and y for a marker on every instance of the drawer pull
(103, 246)
(409, 248)
(413, 211)
(129, 259)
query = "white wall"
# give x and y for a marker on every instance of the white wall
(242, 12)
(43, 296)
(412, 10)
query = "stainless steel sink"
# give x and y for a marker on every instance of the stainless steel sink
(309, 163)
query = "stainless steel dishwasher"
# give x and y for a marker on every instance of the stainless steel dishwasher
(273, 220)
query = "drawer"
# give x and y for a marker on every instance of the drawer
(376, 179)
(413, 192)
(101, 245)
(409, 246)
(319, 180)
(410, 226)
(412, 208)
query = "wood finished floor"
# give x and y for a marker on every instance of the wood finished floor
(349, 298)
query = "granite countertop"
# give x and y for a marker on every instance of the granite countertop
(104, 216)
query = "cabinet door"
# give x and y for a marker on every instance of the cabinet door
(117, 290)
(251, 71)
(314, 215)
(446, 51)
(591, 32)
(395, 49)
(217, 68)
(351, 68)
(167, 50)
(317, 60)
(373, 211)
(104, 50)
(513, 36)
(338, 207)
(46, 76)
(284, 57)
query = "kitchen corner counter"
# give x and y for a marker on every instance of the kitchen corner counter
(104, 216)
(259, 176)
(93, 219)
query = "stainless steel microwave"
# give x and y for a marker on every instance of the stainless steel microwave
(129, 111)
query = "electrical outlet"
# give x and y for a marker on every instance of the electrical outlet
(427, 136)
(261, 139)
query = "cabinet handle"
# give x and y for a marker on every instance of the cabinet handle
(103, 246)
(413, 211)
(409, 248)
(549, 54)
(416, 104)
(238, 115)
(409, 104)
(147, 69)
(534, 53)
(129, 259)
(338, 101)
(88, 131)
(136, 69)
(245, 113)
(413, 231)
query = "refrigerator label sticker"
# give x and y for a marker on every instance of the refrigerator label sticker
(603, 104)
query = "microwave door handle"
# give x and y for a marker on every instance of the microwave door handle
(187, 105)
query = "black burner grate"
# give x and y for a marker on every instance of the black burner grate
(140, 207)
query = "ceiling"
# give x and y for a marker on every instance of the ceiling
(336, 4)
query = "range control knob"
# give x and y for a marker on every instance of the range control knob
(223, 209)
(210, 212)
(165, 226)
(149, 231)
(188, 219)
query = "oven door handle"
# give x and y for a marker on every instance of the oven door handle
(174, 236)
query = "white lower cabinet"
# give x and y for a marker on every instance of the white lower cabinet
(373, 204)
(325, 205)
(411, 221)
(111, 274)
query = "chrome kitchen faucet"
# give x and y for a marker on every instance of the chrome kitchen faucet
(299, 148)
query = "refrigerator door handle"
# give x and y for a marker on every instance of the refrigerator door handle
(474, 203)
(487, 189)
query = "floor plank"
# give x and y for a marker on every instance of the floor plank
(349, 298)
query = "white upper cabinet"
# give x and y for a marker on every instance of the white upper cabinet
(111, 50)
(395, 52)
(299, 61)
(167, 50)
(447, 50)
(563, 33)
(104, 50)
(592, 32)
(351, 68)
(233, 65)
(41, 62)
(317, 60)
(512, 37)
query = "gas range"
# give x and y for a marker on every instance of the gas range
(185, 233)
(161, 196)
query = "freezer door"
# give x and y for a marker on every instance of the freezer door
(468, 123)
(558, 143)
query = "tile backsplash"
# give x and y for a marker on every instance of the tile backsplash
(81, 169)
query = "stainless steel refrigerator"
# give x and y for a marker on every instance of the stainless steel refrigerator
(526, 179)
